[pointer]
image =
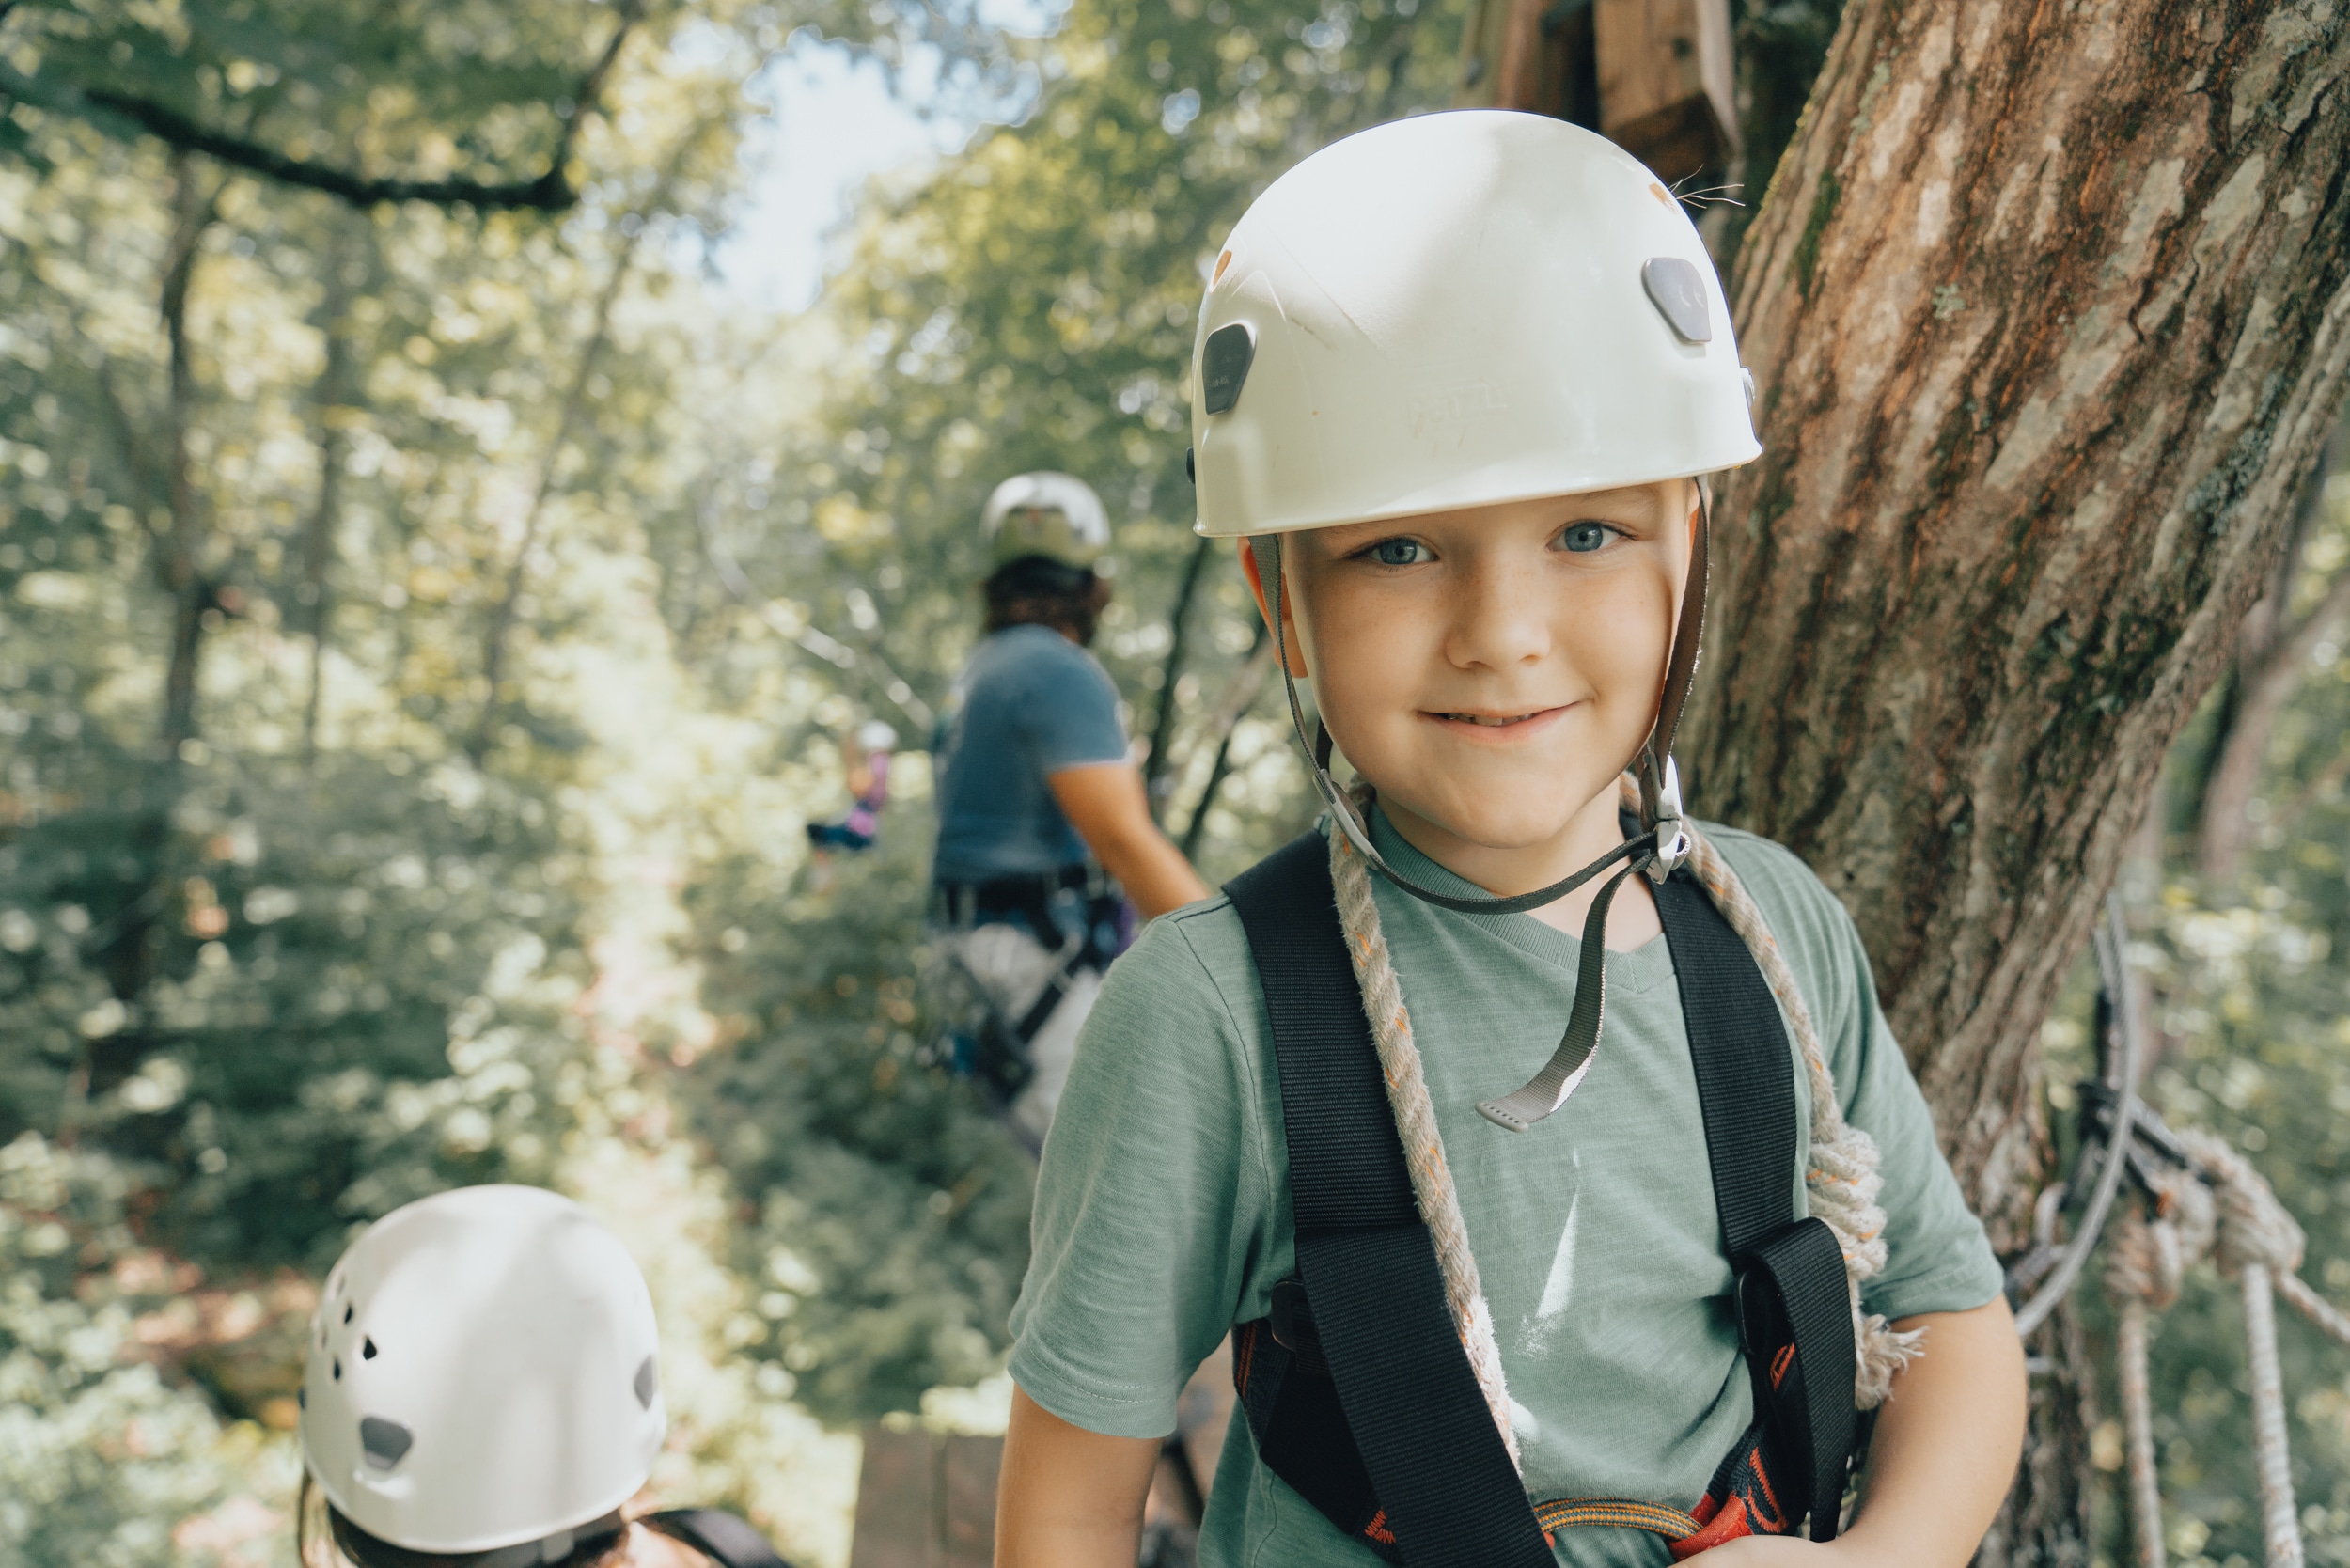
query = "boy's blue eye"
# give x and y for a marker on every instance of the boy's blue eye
(1399, 552)
(1583, 538)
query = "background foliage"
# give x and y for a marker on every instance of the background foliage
(425, 627)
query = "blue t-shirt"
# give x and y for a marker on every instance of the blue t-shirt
(1028, 704)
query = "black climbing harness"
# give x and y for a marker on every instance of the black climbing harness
(726, 1540)
(1356, 1387)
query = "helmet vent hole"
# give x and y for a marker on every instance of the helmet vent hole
(347, 1314)
(648, 1382)
(366, 1351)
(1224, 362)
(1677, 289)
(338, 1369)
(384, 1443)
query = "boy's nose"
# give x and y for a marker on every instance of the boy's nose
(1500, 617)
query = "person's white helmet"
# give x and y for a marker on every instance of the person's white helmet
(1054, 515)
(483, 1373)
(1452, 310)
(873, 735)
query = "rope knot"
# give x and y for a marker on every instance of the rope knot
(2255, 1227)
(2151, 1252)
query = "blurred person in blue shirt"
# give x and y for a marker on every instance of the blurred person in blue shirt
(1046, 850)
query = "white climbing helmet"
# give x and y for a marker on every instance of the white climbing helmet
(873, 735)
(483, 1374)
(1054, 515)
(1452, 310)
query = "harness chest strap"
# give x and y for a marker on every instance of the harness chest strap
(1375, 1390)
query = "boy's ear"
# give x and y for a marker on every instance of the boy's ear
(1256, 586)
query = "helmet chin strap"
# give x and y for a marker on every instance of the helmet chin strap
(1659, 847)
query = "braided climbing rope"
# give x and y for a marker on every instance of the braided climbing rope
(2236, 1220)
(1839, 1173)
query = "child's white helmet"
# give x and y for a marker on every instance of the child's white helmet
(1054, 515)
(482, 1373)
(873, 735)
(1453, 311)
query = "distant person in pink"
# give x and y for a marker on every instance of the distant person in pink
(866, 762)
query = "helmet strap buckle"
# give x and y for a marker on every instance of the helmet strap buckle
(1660, 808)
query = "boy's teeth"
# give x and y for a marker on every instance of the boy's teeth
(1479, 718)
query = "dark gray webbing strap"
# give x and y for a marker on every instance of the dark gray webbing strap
(1747, 1097)
(1450, 1492)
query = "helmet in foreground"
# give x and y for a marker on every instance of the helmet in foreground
(1454, 311)
(1056, 516)
(482, 1373)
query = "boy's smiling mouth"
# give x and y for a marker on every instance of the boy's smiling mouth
(1469, 718)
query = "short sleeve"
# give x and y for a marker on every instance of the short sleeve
(1938, 1259)
(1149, 1193)
(1070, 712)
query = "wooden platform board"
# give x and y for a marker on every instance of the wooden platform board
(926, 1500)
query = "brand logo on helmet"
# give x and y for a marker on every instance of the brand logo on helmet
(1445, 404)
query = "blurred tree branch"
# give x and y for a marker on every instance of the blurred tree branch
(1237, 700)
(1154, 768)
(334, 393)
(499, 638)
(2272, 652)
(192, 212)
(791, 624)
(129, 114)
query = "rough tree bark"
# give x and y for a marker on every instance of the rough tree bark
(2049, 309)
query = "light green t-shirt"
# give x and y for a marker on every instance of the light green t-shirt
(1163, 1204)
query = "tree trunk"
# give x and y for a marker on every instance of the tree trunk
(2049, 312)
(314, 592)
(183, 563)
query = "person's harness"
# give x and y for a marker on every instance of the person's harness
(999, 1045)
(1356, 1387)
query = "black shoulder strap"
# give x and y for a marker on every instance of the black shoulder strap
(720, 1536)
(1746, 1082)
(1452, 1496)
(1792, 1290)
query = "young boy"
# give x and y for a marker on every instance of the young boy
(1457, 379)
(484, 1390)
